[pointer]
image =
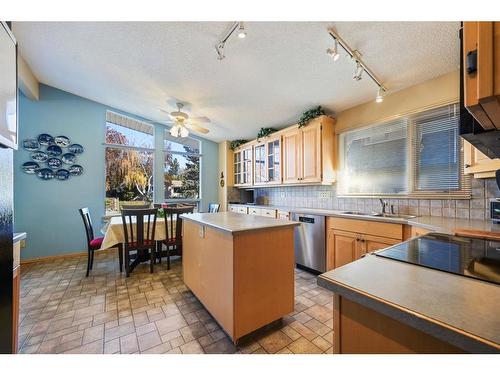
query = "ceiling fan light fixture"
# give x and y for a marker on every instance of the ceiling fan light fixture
(174, 131)
(183, 132)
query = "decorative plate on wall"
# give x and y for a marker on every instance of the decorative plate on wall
(62, 174)
(45, 139)
(69, 158)
(45, 174)
(75, 170)
(39, 156)
(54, 163)
(31, 144)
(47, 149)
(30, 167)
(62, 141)
(54, 150)
(75, 148)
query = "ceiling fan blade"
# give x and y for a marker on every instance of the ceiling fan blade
(196, 128)
(200, 119)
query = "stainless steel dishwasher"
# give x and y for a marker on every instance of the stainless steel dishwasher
(310, 249)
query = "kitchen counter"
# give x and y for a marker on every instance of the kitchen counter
(456, 310)
(440, 224)
(235, 223)
(19, 236)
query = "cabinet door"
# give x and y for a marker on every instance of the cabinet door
(345, 246)
(292, 156)
(311, 153)
(246, 160)
(259, 164)
(237, 167)
(373, 243)
(274, 161)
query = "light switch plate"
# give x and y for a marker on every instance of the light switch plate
(324, 194)
(283, 194)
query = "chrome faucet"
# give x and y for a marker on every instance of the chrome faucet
(384, 205)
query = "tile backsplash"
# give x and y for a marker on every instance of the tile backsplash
(325, 197)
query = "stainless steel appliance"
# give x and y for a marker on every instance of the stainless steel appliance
(310, 249)
(495, 210)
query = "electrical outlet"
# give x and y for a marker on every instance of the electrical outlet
(324, 195)
(283, 194)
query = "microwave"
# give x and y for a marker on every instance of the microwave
(495, 210)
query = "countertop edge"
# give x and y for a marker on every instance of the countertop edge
(223, 229)
(441, 331)
(19, 236)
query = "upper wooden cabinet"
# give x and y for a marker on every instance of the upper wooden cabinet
(243, 165)
(477, 163)
(481, 43)
(267, 161)
(308, 153)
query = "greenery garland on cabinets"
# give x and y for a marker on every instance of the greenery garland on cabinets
(310, 115)
(237, 143)
(265, 132)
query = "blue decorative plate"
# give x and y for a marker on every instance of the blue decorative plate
(45, 139)
(54, 163)
(75, 170)
(62, 174)
(39, 156)
(45, 174)
(69, 158)
(75, 148)
(62, 141)
(31, 144)
(30, 167)
(54, 150)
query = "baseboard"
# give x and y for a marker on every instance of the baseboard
(61, 256)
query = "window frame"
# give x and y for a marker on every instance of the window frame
(128, 147)
(464, 192)
(199, 154)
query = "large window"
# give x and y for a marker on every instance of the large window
(417, 155)
(182, 168)
(129, 161)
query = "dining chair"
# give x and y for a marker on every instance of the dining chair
(213, 207)
(94, 243)
(135, 206)
(139, 232)
(173, 232)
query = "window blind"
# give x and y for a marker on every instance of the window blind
(375, 159)
(129, 122)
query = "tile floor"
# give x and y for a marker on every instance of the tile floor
(62, 311)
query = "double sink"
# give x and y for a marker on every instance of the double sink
(378, 214)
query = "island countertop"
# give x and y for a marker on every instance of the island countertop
(456, 309)
(234, 223)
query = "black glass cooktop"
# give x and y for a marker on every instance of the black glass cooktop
(465, 256)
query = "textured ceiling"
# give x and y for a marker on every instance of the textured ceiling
(267, 79)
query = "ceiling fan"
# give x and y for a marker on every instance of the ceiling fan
(182, 123)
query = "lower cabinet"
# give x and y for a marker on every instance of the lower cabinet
(349, 239)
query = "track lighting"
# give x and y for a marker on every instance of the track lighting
(380, 95)
(334, 52)
(358, 72)
(241, 32)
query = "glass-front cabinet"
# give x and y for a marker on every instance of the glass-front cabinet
(260, 170)
(243, 160)
(274, 160)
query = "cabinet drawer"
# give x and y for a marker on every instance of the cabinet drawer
(254, 211)
(242, 210)
(268, 213)
(374, 228)
(283, 215)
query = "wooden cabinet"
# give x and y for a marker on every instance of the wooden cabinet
(254, 211)
(283, 215)
(481, 43)
(243, 165)
(308, 153)
(477, 163)
(267, 161)
(350, 239)
(238, 209)
(16, 286)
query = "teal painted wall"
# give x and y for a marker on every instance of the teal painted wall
(48, 210)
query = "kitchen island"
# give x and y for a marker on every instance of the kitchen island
(382, 305)
(240, 267)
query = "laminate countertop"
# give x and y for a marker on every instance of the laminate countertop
(234, 223)
(440, 224)
(18, 236)
(456, 309)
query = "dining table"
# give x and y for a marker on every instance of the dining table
(114, 235)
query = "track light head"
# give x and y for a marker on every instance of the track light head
(358, 72)
(380, 95)
(241, 31)
(334, 52)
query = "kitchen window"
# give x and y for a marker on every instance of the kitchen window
(182, 168)
(415, 155)
(129, 158)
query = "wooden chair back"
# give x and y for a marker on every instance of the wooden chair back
(139, 228)
(87, 221)
(173, 222)
(135, 206)
(213, 207)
